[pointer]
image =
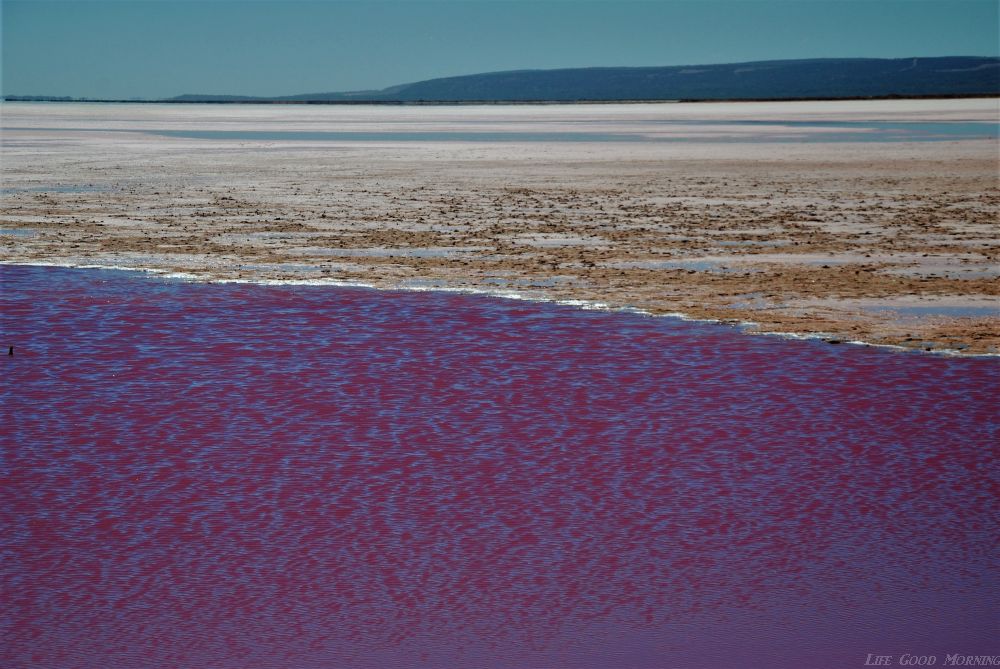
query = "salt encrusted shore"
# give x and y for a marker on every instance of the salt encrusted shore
(884, 242)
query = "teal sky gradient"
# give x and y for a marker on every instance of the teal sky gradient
(160, 48)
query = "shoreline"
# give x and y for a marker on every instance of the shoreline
(748, 328)
(886, 242)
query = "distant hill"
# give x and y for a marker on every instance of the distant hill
(780, 79)
(762, 80)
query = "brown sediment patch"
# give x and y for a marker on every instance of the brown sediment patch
(794, 238)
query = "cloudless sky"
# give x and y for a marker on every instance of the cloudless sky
(162, 48)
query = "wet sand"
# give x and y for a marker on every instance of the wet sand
(882, 242)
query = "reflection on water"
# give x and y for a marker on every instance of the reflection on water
(268, 476)
(644, 130)
(943, 310)
(71, 188)
(687, 131)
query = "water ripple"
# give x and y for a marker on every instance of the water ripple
(265, 476)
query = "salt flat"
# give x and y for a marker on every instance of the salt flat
(764, 212)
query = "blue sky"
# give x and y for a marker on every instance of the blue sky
(161, 48)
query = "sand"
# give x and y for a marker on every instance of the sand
(882, 242)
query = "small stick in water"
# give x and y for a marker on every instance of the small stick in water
(10, 351)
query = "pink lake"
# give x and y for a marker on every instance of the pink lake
(205, 475)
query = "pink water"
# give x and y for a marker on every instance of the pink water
(246, 476)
